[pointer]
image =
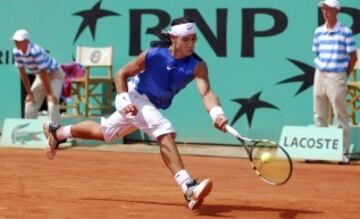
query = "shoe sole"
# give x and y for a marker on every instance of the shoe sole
(50, 151)
(197, 202)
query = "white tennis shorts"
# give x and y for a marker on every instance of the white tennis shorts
(148, 119)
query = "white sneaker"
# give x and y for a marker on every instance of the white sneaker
(196, 192)
(49, 130)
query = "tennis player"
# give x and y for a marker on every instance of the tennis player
(144, 86)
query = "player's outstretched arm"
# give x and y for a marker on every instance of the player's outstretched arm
(211, 102)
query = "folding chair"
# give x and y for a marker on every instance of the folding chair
(97, 83)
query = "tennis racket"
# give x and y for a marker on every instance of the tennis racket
(268, 159)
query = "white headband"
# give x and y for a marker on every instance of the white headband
(183, 29)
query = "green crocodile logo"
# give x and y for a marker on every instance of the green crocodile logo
(23, 136)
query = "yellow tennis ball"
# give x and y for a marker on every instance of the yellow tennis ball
(266, 157)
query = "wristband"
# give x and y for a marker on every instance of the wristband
(122, 100)
(215, 112)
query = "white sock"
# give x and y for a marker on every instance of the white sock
(182, 177)
(63, 133)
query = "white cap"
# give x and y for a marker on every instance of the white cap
(20, 35)
(330, 3)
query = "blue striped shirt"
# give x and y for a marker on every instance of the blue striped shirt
(35, 59)
(332, 48)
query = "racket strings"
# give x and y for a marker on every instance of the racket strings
(271, 162)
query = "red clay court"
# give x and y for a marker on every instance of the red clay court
(112, 185)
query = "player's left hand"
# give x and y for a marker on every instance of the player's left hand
(220, 123)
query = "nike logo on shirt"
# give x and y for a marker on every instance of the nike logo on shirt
(170, 67)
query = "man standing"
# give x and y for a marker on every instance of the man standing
(49, 76)
(335, 51)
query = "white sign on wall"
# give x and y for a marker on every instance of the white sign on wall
(313, 143)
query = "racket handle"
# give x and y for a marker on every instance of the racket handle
(232, 131)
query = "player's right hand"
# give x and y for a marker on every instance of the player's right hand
(129, 110)
(220, 122)
(29, 98)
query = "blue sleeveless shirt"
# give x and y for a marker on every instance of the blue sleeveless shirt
(164, 76)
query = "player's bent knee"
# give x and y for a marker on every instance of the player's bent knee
(166, 137)
(99, 134)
